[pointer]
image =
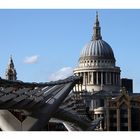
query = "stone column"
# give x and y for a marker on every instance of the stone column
(91, 77)
(88, 78)
(113, 78)
(75, 87)
(116, 78)
(107, 119)
(97, 81)
(91, 105)
(84, 80)
(129, 119)
(105, 78)
(101, 78)
(107, 122)
(100, 127)
(110, 77)
(118, 119)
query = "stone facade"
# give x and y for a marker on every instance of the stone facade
(97, 65)
(124, 113)
(11, 73)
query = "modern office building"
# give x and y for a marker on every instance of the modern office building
(128, 84)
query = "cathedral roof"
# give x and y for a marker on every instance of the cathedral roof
(97, 48)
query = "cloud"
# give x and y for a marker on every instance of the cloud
(31, 59)
(61, 74)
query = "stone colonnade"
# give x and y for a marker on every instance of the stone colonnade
(100, 78)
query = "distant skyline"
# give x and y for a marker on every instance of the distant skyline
(46, 44)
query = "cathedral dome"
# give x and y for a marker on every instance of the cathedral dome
(97, 65)
(97, 49)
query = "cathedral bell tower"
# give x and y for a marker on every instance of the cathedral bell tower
(10, 71)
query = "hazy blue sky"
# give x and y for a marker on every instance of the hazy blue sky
(47, 43)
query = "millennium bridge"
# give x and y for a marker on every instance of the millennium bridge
(39, 103)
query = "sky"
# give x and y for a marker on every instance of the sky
(46, 44)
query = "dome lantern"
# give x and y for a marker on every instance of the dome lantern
(97, 29)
